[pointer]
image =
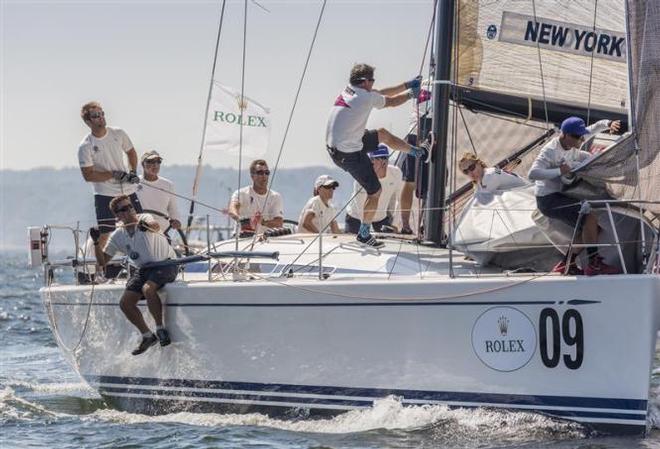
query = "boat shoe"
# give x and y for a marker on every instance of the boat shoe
(597, 266)
(145, 344)
(573, 269)
(163, 336)
(369, 240)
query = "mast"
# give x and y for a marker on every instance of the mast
(442, 52)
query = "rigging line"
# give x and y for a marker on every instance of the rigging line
(467, 130)
(591, 65)
(222, 211)
(295, 100)
(240, 135)
(402, 298)
(428, 37)
(198, 170)
(538, 50)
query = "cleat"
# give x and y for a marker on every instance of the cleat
(597, 266)
(370, 241)
(163, 336)
(145, 344)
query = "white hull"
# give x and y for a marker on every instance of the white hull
(335, 345)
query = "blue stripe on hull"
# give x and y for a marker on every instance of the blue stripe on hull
(618, 409)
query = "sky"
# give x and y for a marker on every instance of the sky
(149, 64)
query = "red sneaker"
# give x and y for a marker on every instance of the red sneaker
(573, 270)
(597, 266)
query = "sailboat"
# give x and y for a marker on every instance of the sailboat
(317, 324)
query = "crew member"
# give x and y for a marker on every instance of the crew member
(155, 193)
(319, 213)
(348, 142)
(138, 237)
(102, 163)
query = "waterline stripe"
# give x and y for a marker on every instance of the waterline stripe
(183, 390)
(347, 405)
(359, 393)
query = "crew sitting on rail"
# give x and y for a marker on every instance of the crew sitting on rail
(488, 179)
(558, 157)
(154, 193)
(319, 213)
(257, 206)
(137, 237)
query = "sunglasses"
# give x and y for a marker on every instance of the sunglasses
(153, 161)
(332, 187)
(469, 169)
(94, 115)
(261, 172)
(124, 208)
(576, 136)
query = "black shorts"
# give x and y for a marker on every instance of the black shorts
(413, 169)
(352, 224)
(561, 207)
(358, 164)
(159, 276)
(104, 216)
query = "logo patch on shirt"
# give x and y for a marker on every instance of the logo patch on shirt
(341, 102)
(95, 148)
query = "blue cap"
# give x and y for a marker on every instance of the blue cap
(382, 151)
(574, 125)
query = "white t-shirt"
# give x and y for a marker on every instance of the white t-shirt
(107, 154)
(497, 179)
(389, 196)
(156, 200)
(141, 247)
(348, 118)
(545, 169)
(250, 202)
(323, 215)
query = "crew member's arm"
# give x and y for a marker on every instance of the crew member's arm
(334, 227)
(391, 91)
(543, 168)
(308, 224)
(397, 100)
(277, 212)
(147, 223)
(234, 209)
(90, 174)
(102, 257)
(173, 211)
(132, 159)
(276, 222)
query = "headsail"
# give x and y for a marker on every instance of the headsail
(557, 51)
(618, 167)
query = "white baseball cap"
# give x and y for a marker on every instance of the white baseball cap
(325, 181)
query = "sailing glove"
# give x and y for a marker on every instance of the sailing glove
(122, 176)
(414, 83)
(143, 225)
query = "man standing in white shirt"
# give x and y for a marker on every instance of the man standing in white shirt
(102, 163)
(348, 142)
(138, 238)
(256, 206)
(155, 193)
(557, 158)
(391, 181)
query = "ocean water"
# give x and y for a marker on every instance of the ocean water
(43, 404)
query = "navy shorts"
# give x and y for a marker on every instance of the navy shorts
(104, 216)
(358, 164)
(158, 275)
(559, 206)
(413, 169)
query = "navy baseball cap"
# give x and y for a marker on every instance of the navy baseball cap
(574, 125)
(381, 152)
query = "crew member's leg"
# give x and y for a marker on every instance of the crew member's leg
(129, 306)
(104, 217)
(157, 277)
